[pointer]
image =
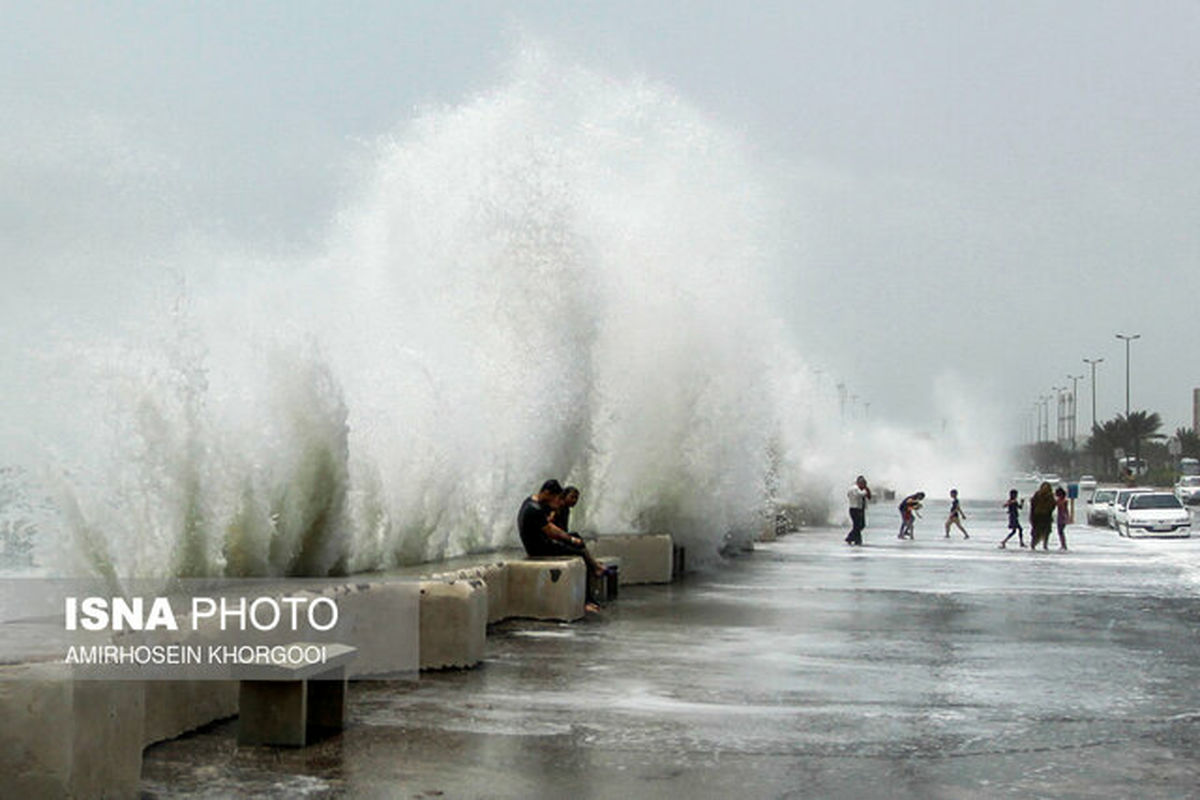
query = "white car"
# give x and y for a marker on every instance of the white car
(1099, 506)
(1087, 483)
(1188, 489)
(1156, 514)
(1117, 509)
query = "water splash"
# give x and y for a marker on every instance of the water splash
(567, 276)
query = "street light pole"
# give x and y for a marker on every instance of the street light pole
(1127, 340)
(1058, 412)
(1092, 362)
(1074, 406)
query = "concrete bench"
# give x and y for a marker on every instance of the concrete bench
(454, 617)
(458, 604)
(547, 588)
(382, 620)
(494, 576)
(109, 722)
(645, 557)
(294, 702)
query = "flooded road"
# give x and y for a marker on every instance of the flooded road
(937, 668)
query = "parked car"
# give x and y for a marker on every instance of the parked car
(1120, 506)
(1099, 507)
(1087, 483)
(1155, 514)
(1188, 489)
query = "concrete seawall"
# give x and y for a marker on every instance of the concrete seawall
(63, 737)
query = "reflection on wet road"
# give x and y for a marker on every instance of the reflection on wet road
(932, 668)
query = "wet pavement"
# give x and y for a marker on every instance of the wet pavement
(928, 669)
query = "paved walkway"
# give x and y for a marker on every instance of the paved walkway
(927, 669)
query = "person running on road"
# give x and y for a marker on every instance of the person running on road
(956, 515)
(1014, 523)
(909, 507)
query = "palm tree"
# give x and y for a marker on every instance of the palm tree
(1142, 425)
(1106, 438)
(1189, 442)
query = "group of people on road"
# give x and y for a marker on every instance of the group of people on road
(910, 511)
(1046, 507)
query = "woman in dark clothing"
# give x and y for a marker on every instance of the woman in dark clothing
(1041, 517)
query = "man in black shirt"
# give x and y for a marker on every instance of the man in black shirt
(539, 533)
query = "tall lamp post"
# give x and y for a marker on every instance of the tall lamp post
(1127, 340)
(1058, 412)
(1074, 407)
(1092, 362)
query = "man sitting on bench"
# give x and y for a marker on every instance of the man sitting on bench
(542, 537)
(562, 515)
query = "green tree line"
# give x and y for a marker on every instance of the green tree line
(1138, 433)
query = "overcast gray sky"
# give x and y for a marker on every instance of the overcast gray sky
(985, 190)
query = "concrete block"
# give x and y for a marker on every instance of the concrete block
(273, 712)
(453, 623)
(36, 704)
(175, 707)
(292, 704)
(645, 557)
(107, 742)
(495, 578)
(327, 702)
(66, 738)
(548, 588)
(382, 620)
